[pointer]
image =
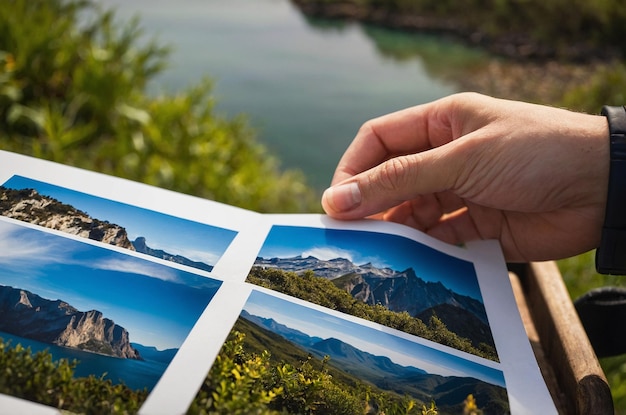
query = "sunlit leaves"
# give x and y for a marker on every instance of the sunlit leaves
(75, 93)
(36, 377)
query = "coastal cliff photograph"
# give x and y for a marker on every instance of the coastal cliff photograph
(385, 278)
(144, 231)
(119, 318)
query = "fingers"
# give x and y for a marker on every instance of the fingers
(414, 130)
(424, 212)
(401, 156)
(411, 130)
(391, 183)
(389, 161)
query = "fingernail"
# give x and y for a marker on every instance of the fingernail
(343, 197)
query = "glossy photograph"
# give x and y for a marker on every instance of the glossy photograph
(145, 231)
(316, 359)
(121, 318)
(385, 278)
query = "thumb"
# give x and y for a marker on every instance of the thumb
(390, 183)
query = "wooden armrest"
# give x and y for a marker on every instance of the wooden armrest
(565, 355)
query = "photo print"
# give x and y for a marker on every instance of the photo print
(307, 359)
(141, 230)
(385, 278)
(120, 317)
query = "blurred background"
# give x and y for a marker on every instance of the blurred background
(252, 102)
(305, 84)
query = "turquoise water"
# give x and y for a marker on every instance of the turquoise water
(307, 85)
(135, 374)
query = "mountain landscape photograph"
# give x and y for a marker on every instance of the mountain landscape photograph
(362, 357)
(407, 279)
(145, 231)
(122, 317)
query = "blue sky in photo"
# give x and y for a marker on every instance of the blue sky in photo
(382, 250)
(193, 240)
(158, 305)
(401, 351)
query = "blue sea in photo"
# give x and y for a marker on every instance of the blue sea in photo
(156, 305)
(136, 374)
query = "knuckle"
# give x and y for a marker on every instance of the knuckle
(368, 129)
(393, 175)
(367, 126)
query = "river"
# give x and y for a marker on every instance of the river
(306, 85)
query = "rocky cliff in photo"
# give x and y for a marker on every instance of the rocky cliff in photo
(28, 315)
(140, 246)
(399, 291)
(396, 290)
(29, 206)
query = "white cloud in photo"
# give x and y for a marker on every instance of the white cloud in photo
(26, 248)
(207, 257)
(17, 247)
(327, 253)
(377, 261)
(134, 266)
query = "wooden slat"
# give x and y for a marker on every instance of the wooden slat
(569, 364)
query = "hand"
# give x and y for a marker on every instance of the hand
(470, 167)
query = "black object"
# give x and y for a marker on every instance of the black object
(602, 312)
(611, 254)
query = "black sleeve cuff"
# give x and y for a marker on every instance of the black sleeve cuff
(611, 254)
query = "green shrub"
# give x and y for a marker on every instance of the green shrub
(607, 86)
(323, 292)
(559, 25)
(241, 382)
(36, 377)
(75, 93)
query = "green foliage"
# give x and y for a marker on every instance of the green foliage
(38, 378)
(323, 292)
(442, 335)
(235, 384)
(430, 410)
(75, 93)
(241, 382)
(615, 370)
(588, 25)
(580, 275)
(607, 86)
(244, 383)
(307, 390)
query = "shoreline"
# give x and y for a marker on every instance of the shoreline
(515, 46)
